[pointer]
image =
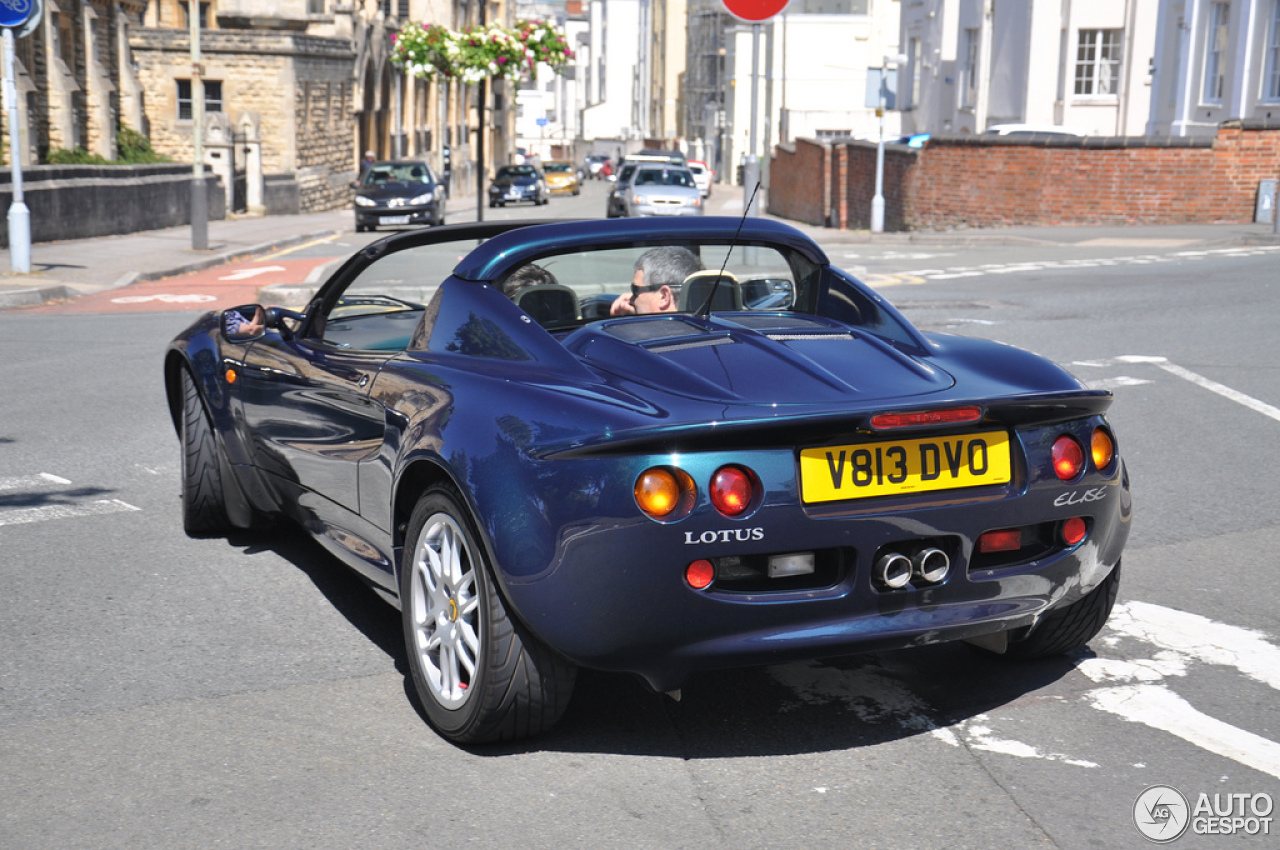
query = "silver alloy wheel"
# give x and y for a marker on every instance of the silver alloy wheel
(446, 610)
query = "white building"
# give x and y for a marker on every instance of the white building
(815, 63)
(1214, 61)
(548, 107)
(614, 83)
(1080, 64)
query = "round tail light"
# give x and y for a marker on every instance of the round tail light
(733, 490)
(1102, 448)
(1068, 458)
(661, 490)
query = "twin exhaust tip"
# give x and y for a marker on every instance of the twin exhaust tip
(894, 570)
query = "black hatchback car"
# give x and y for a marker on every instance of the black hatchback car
(398, 193)
(515, 183)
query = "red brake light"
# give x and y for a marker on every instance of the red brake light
(732, 490)
(1004, 540)
(1068, 458)
(700, 574)
(1074, 530)
(948, 416)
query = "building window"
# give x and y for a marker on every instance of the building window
(1098, 63)
(186, 15)
(1215, 50)
(833, 134)
(1271, 83)
(315, 7)
(969, 74)
(916, 66)
(212, 98)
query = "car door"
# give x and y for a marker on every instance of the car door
(307, 408)
(306, 399)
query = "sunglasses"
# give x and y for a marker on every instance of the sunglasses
(637, 290)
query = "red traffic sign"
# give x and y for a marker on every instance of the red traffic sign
(754, 11)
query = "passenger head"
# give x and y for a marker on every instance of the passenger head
(659, 273)
(529, 274)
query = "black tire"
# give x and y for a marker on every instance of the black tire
(492, 204)
(204, 512)
(1069, 628)
(517, 686)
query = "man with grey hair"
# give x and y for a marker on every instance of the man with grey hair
(655, 286)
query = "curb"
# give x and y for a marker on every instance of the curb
(38, 294)
(35, 295)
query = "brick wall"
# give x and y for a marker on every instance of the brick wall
(993, 181)
(800, 175)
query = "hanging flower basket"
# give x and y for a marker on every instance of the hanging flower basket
(430, 51)
(425, 50)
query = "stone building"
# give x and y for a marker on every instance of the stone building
(295, 91)
(75, 79)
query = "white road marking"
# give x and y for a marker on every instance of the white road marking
(1201, 381)
(981, 737)
(165, 298)
(1118, 381)
(1133, 688)
(20, 516)
(245, 274)
(42, 479)
(1222, 390)
(1088, 263)
(1191, 635)
(1160, 708)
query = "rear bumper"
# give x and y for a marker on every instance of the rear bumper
(613, 595)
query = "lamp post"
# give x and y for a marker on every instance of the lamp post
(199, 201)
(877, 201)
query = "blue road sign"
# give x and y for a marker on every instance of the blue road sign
(15, 13)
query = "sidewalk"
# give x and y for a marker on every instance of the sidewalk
(76, 267)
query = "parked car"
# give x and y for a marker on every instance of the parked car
(592, 164)
(561, 177)
(702, 176)
(1032, 130)
(514, 184)
(662, 190)
(663, 157)
(398, 193)
(614, 205)
(538, 490)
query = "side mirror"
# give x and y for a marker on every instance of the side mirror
(244, 323)
(251, 321)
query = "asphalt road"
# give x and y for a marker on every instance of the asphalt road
(158, 691)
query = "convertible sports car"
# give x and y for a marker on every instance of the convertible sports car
(781, 468)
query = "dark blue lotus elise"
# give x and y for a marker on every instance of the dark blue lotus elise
(552, 446)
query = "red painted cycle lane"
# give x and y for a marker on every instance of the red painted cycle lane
(209, 289)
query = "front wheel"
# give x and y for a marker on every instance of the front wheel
(479, 674)
(204, 511)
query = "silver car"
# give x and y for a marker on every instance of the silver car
(662, 190)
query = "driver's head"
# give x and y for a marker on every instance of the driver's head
(659, 273)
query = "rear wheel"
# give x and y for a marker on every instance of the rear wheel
(479, 674)
(1071, 627)
(203, 510)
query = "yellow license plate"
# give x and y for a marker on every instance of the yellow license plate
(864, 470)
